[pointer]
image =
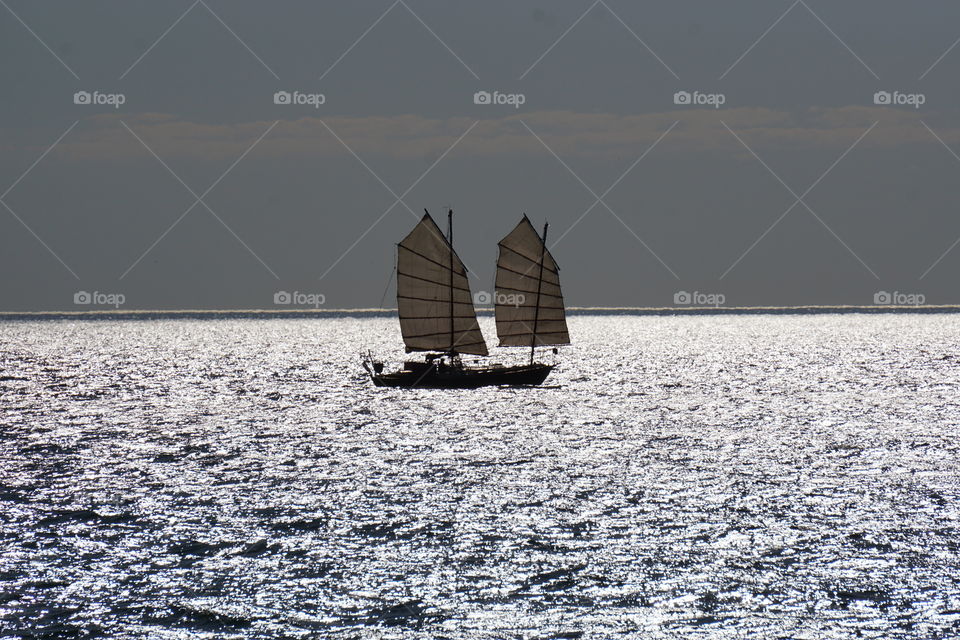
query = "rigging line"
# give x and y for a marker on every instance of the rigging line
(383, 298)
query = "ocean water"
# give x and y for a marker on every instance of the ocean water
(677, 477)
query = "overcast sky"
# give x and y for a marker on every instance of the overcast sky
(199, 191)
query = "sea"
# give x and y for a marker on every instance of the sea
(707, 476)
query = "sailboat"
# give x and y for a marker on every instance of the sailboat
(437, 315)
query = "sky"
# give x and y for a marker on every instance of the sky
(206, 154)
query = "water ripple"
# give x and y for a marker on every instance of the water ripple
(694, 477)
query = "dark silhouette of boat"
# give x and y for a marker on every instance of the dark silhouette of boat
(441, 375)
(437, 316)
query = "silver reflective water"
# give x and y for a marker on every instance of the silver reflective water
(723, 477)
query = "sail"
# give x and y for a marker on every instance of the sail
(529, 306)
(428, 271)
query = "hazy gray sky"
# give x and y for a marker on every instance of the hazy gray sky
(798, 189)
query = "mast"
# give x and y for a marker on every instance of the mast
(536, 311)
(450, 242)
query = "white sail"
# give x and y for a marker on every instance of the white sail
(428, 272)
(529, 302)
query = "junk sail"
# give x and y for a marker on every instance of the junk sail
(436, 311)
(433, 295)
(529, 304)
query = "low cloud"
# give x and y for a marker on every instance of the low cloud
(570, 134)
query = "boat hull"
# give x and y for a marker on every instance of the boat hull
(465, 378)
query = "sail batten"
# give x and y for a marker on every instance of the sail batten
(428, 280)
(529, 301)
(536, 260)
(434, 301)
(543, 294)
(443, 265)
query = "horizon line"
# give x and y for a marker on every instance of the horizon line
(320, 312)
